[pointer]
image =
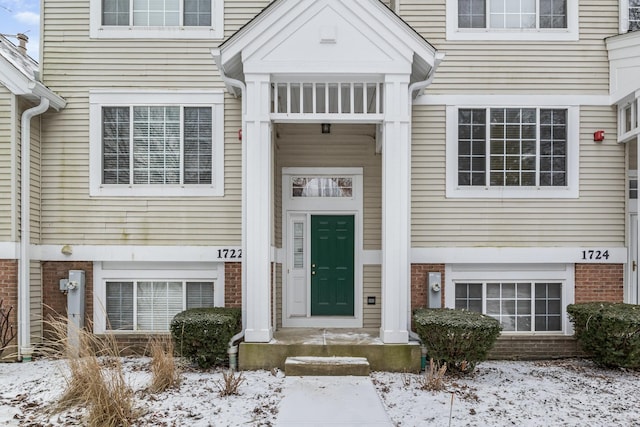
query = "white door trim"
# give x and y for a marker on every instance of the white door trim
(302, 208)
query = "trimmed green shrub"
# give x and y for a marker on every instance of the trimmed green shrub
(458, 338)
(608, 332)
(203, 334)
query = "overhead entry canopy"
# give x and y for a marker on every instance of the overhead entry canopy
(319, 38)
(624, 83)
(326, 61)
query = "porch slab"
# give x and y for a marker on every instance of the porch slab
(296, 342)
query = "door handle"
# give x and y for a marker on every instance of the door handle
(635, 265)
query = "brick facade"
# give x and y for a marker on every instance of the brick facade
(9, 291)
(510, 347)
(55, 301)
(599, 282)
(233, 284)
(419, 291)
(593, 282)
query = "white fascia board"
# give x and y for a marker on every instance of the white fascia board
(42, 91)
(519, 255)
(415, 41)
(523, 100)
(21, 85)
(137, 253)
(623, 45)
(624, 65)
(271, 19)
(15, 81)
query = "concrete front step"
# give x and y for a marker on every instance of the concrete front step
(381, 357)
(326, 366)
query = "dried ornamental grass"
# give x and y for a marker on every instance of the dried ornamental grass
(230, 383)
(164, 370)
(95, 379)
(433, 378)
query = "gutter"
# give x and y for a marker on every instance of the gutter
(418, 86)
(25, 350)
(230, 82)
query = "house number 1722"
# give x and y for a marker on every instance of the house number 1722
(592, 254)
(229, 253)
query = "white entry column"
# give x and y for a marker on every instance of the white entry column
(396, 206)
(258, 211)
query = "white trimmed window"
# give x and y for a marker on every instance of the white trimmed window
(629, 15)
(519, 306)
(628, 120)
(156, 144)
(157, 18)
(512, 152)
(137, 297)
(150, 305)
(321, 186)
(524, 298)
(512, 19)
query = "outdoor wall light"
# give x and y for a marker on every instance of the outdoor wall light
(326, 127)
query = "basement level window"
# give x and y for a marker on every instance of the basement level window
(519, 306)
(150, 305)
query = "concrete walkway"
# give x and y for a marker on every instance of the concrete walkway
(331, 401)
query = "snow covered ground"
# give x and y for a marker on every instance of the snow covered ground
(499, 393)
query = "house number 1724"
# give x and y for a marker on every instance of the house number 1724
(592, 254)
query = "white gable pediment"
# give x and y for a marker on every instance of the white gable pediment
(624, 65)
(327, 36)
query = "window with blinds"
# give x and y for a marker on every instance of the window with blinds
(157, 145)
(151, 305)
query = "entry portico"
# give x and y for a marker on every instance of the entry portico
(326, 61)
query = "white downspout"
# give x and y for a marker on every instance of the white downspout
(24, 298)
(233, 349)
(418, 86)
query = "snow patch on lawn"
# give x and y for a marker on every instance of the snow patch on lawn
(498, 393)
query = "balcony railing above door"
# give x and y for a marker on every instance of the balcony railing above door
(327, 101)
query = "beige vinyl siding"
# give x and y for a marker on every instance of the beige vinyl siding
(519, 66)
(73, 65)
(35, 305)
(372, 279)
(6, 164)
(345, 146)
(595, 218)
(238, 12)
(35, 181)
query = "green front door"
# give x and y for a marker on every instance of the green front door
(332, 254)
